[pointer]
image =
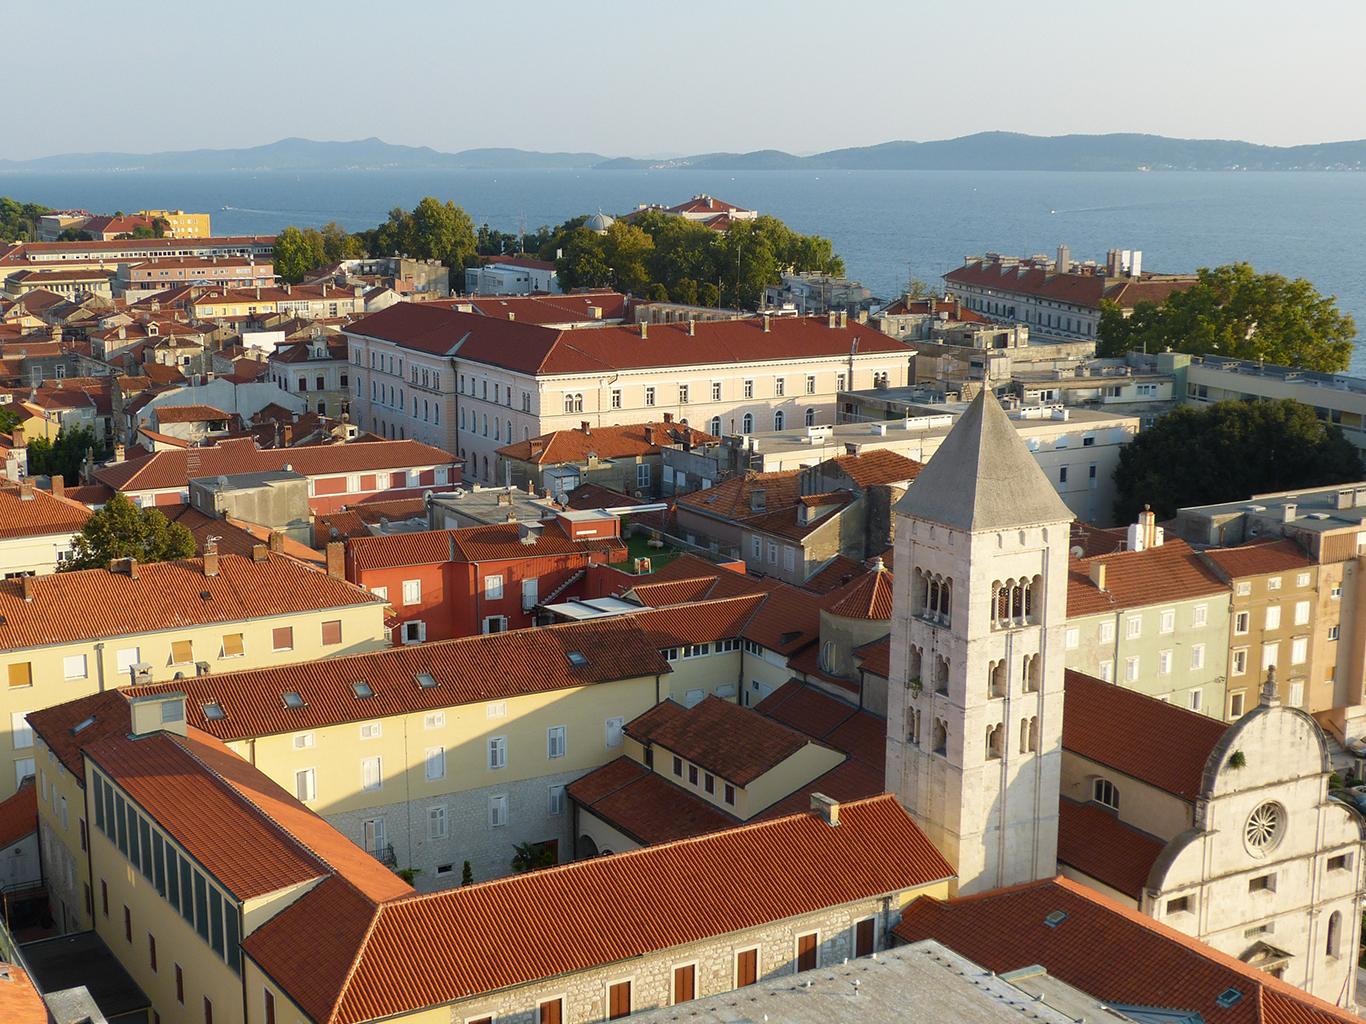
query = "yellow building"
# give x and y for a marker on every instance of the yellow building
(71, 634)
(181, 224)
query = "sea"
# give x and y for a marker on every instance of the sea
(889, 226)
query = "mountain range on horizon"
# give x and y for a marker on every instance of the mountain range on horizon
(984, 151)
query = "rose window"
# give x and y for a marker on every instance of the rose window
(1263, 828)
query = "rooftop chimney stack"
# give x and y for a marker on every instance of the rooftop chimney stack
(644, 330)
(211, 557)
(260, 553)
(276, 541)
(26, 490)
(336, 560)
(1098, 575)
(826, 809)
(27, 582)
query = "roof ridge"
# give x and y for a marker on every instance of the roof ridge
(360, 955)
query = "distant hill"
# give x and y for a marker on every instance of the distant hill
(985, 151)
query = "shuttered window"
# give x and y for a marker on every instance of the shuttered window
(233, 646)
(182, 652)
(619, 1000)
(552, 1012)
(746, 968)
(685, 984)
(332, 632)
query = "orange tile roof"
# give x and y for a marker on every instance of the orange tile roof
(470, 544)
(1147, 739)
(1005, 929)
(868, 597)
(625, 441)
(1258, 559)
(64, 727)
(723, 738)
(701, 623)
(20, 1002)
(863, 737)
(788, 621)
(40, 515)
(877, 657)
(835, 574)
(173, 469)
(96, 603)
(879, 467)
(666, 592)
(731, 499)
(1172, 572)
(1077, 289)
(646, 806)
(19, 815)
(342, 966)
(785, 522)
(805, 709)
(852, 780)
(189, 414)
(1098, 844)
(468, 670)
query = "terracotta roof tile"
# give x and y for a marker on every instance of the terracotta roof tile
(469, 670)
(1005, 929)
(807, 661)
(646, 806)
(667, 592)
(20, 1002)
(1098, 844)
(733, 499)
(877, 657)
(40, 515)
(834, 574)
(701, 623)
(725, 739)
(68, 728)
(96, 603)
(863, 737)
(788, 621)
(806, 709)
(19, 815)
(879, 467)
(1150, 740)
(1172, 572)
(852, 780)
(1259, 558)
(868, 597)
(189, 414)
(626, 441)
(462, 937)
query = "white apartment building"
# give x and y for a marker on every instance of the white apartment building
(471, 384)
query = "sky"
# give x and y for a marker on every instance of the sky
(643, 78)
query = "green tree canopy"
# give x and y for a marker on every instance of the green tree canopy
(532, 857)
(63, 457)
(1234, 311)
(1229, 451)
(19, 221)
(122, 530)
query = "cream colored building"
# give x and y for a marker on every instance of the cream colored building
(72, 634)
(181, 224)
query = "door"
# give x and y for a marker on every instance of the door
(746, 968)
(864, 933)
(552, 1012)
(619, 1000)
(685, 984)
(806, 952)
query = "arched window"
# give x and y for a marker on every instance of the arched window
(486, 424)
(913, 732)
(572, 402)
(828, 656)
(997, 687)
(344, 382)
(486, 467)
(497, 430)
(400, 434)
(995, 740)
(941, 736)
(715, 426)
(526, 433)
(1103, 792)
(462, 419)
(509, 434)
(778, 420)
(1024, 735)
(810, 417)
(436, 413)
(1034, 735)
(322, 407)
(747, 424)
(426, 409)
(1334, 949)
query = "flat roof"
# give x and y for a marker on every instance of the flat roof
(1316, 508)
(597, 608)
(82, 959)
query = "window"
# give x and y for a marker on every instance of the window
(1107, 632)
(1244, 589)
(1107, 671)
(20, 674)
(179, 985)
(716, 391)
(381, 592)
(556, 741)
(1073, 638)
(1167, 622)
(678, 767)
(498, 752)
(1332, 632)
(1197, 656)
(747, 424)
(1104, 792)
(1200, 615)
(282, 638)
(1341, 862)
(1134, 627)
(436, 763)
(1270, 655)
(1334, 949)
(616, 400)
(1336, 594)
(779, 388)
(1242, 622)
(806, 952)
(650, 396)
(1301, 613)
(20, 733)
(749, 389)
(789, 554)
(370, 730)
(493, 588)
(614, 732)
(1180, 905)
(370, 776)
(436, 822)
(1130, 669)
(1273, 616)
(778, 420)
(233, 646)
(1164, 663)
(152, 951)
(372, 833)
(412, 591)
(555, 803)
(692, 775)
(643, 475)
(865, 934)
(306, 785)
(685, 984)
(270, 1007)
(332, 633)
(551, 1012)
(773, 551)
(1274, 583)
(1062, 474)
(619, 1000)
(75, 667)
(1235, 705)
(730, 795)
(1195, 700)
(1262, 883)
(746, 968)
(1238, 663)
(810, 384)
(1295, 699)
(683, 394)
(498, 810)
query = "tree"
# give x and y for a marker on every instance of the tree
(19, 221)
(1234, 311)
(76, 235)
(9, 419)
(122, 530)
(467, 876)
(64, 456)
(1229, 451)
(532, 857)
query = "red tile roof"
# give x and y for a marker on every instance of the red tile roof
(470, 544)
(469, 670)
(700, 623)
(343, 966)
(805, 709)
(1147, 739)
(646, 806)
(868, 597)
(877, 657)
(1172, 572)
(189, 414)
(65, 730)
(1077, 289)
(1005, 929)
(19, 815)
(96, 603)
(733, 499)
(170, 470)
(835, 574)
(852, 780)
(40, 515)
(1258, 559)
(20, 1002)
(879, 467)
(725, 739)
(1098, 844)
(428, 327)
(625, 441)
(788, 621)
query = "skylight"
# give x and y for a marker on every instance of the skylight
(577, 659)
(85, 724)
(293, 700)
(425, 680)
(213, 712)
(362, 689)
(1054, 919)
(1228, 997)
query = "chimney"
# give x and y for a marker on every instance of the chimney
(211, 557)
(957, 308)
(17, 437)
(844, 319)
(1136, 264)
(1098, 575)
(125, 565)
(276, 541)
(28, 587)
(692, 328)
(260, 553)
(831, 321)
(1344, 499)
(336, 560)
(58, 485)
(120, 453)
(826, 809)
(766, 328)
(668, 417)
(26, 490)
(586, 426)
(1288, 512)
(644, 330)
(933, 305)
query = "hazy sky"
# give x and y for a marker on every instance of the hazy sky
(640, 77)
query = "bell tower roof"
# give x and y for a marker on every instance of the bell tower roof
(983, 477)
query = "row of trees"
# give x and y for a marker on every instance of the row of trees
(19, 221)
(1234, 311)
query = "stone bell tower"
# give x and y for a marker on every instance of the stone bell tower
(975, 698)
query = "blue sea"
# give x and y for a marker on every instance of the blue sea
(888, 225)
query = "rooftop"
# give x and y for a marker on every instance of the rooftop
(472, 544)
(865, 597)
(39, 514)
(1095, 842)
(1166, 573)
(646, 806)
(632, 439)
(1260, 558)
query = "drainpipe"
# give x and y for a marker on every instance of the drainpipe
(99, 664)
